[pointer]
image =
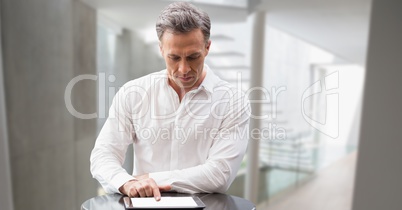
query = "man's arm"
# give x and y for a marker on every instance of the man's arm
(111, 145)
(106, 166)
(110, 148)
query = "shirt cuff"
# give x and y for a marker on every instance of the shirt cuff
(120, 179)
(161, 178)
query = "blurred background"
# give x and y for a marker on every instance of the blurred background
(328, 76)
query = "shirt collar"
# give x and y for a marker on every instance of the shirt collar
(209, 81)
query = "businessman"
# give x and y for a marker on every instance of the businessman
(186, 125)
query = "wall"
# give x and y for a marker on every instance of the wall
(45, 44)
(378, 182)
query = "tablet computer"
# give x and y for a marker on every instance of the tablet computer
(166, 202)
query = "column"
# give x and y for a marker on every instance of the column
(6, 199)
(378, 182)
(256, 80)
(45, 45)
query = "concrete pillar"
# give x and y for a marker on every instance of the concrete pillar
(6, 199)
(45, 45)
(256, 80)
(378, 182)
(84, 98)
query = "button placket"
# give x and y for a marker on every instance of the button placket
(181, 129)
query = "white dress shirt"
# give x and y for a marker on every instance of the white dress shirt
(195, 145)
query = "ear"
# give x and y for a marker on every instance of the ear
(207, 47)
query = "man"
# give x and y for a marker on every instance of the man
(186, 125)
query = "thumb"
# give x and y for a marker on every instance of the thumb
(165, 188)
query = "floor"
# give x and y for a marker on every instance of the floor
(330, 189)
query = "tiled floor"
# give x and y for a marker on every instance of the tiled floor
(330, 189)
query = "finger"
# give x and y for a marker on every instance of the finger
(165, 188)
(148, 188)
(133, 193)
(141, 190)
(155, 190)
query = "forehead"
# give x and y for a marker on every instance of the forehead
(178, 42)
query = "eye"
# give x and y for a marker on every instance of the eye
(194, 57)
(174, 58)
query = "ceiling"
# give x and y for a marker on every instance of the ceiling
(338, 26)
(143, 13)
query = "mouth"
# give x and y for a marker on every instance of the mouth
(185, 79)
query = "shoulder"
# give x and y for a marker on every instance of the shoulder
(144, 82)
(136, 89)
(228, 90)
(230, 96)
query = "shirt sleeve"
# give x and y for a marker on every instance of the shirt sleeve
(110, 148)
(224, 157)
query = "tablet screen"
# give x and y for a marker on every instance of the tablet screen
(164, 203)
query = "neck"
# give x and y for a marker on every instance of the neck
(182, 91)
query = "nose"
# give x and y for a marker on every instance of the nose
(184, 67)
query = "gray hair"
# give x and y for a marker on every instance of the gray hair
(182, 17)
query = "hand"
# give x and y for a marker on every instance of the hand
(143, 186)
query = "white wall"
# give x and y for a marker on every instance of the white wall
(378, 182)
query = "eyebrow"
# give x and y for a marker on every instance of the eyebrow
(193, 54)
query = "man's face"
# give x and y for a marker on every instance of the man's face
(184, 55)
